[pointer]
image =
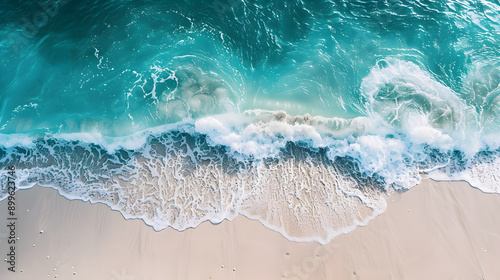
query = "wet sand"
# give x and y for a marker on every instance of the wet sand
(437, 230)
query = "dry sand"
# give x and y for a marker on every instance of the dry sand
(437, 230)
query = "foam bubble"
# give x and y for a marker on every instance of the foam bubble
(308, 177)
(412, 102)
(270, 166)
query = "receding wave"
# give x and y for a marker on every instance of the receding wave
(310, 178)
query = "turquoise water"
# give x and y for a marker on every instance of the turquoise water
(94, 91)
(107, 63)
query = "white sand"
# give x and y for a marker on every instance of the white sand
(434, 231)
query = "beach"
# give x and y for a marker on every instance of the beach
(436, 230)
(261, 139)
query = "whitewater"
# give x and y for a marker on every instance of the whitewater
(304, 115)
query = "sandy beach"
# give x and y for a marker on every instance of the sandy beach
(437, 230)
(250, 140)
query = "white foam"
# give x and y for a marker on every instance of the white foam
(258, 139)
(185, 185)
(129, 142)
(421, 132)
(411, 101)
(16, 140)
(482, 173)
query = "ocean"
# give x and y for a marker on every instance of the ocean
(303, 115)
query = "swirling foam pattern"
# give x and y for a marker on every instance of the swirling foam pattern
(301, 114)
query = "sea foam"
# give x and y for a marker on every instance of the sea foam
(310, 178)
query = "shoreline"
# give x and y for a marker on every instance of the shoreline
(435, 230)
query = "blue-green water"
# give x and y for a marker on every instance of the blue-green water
(94, 91)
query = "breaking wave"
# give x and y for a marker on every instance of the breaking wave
(301, 114)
